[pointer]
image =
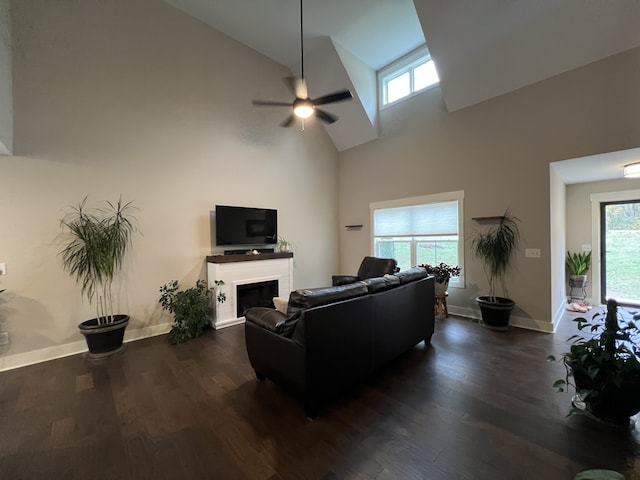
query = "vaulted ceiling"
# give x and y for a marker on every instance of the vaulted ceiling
(482, 48)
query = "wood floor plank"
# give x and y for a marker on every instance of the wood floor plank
(475, 404)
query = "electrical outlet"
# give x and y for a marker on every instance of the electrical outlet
(3, 268)
(586, 248)
(532, 252)
(4, 338)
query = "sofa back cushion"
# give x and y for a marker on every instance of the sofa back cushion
(376, 267)
(411, 275)
(378, 284)
(313, 297)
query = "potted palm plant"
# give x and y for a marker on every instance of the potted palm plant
(94, 242)
(603, 367)
(495, 246)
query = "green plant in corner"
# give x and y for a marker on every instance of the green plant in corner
(495, 246)
(578, 263)
(191, 308)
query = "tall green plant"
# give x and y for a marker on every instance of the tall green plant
(495, 247)
(94, 243)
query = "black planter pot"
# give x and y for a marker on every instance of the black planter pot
(495, 314)
(612, 404)
(106, 339)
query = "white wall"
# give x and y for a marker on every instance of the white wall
(6, 94)
(140, 100)
(498, 152)
(557, 245)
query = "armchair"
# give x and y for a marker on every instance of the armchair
(369, 268)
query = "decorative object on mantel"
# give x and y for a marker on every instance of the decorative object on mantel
(284, 245)
(191, 308)
(442, 273)
(495, 246)
(94, 243)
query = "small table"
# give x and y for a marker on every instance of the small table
(441, 305)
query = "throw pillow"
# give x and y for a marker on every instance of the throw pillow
(281, 304)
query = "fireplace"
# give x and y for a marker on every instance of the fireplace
(258, 294)
(244, 269)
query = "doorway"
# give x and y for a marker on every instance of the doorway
(620, 251)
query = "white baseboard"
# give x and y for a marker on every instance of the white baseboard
(18, 360)
(520, 322)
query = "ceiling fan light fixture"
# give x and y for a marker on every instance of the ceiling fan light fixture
(303, 109)
(632, 170)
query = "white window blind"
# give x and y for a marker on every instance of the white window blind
(417, 220)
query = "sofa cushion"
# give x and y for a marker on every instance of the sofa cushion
(266, 318)
(313, 297)
(378, 284)
(411, 275)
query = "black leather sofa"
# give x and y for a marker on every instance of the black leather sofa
(333, 337)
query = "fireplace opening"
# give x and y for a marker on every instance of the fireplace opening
(259, 294)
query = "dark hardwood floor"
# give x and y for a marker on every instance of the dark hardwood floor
(475, 404)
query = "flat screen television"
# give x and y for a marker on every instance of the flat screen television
(245, 225)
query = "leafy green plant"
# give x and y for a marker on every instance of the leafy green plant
(283, 245)
(442, 272)
(495, 247)
(578, 263)
(191, 308)
(94, 243)
(609, 356)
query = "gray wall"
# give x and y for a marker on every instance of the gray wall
(498, 152)
(140, 100)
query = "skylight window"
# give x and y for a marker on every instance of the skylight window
(406, 76)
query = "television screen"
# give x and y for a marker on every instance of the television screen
(246, 226)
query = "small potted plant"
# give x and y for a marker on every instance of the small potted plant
(578, 264)
(283, 245)
(191, 308)
(94, 243)
(603, 367)
(442, 273)
(495, 246)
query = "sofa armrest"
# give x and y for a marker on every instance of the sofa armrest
(264, 317)
(337, 280)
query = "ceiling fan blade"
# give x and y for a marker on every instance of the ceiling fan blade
(297, 86)
(269, 103)
(325, 116)
(288, 121)
(339, 96)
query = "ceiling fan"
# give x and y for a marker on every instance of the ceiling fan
(303, 106)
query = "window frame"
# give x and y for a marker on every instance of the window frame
(458, 195)
(399, 67)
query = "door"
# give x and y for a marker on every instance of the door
(620, 251)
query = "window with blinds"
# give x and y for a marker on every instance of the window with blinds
(419, 230)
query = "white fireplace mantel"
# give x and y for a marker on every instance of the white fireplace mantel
(244, 269)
